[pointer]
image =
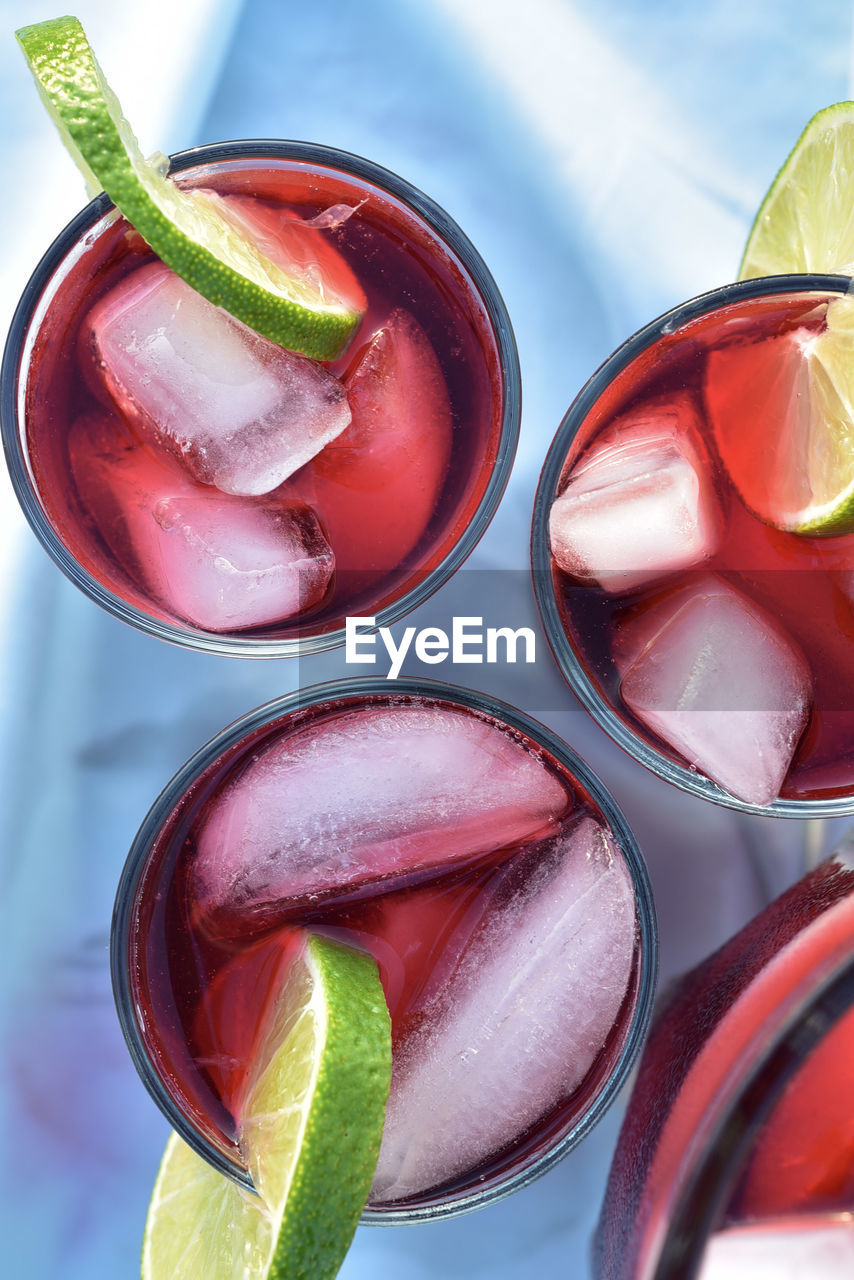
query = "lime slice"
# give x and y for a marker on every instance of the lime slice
(183, 228)
(782, 412)
(783, 409)
(310, 1134)
(806, 221)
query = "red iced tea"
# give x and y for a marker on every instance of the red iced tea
(366, 519)
(456, 849)
(741, 1116)
(719, 641)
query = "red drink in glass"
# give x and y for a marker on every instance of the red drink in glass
(453, 846)
(711, 646)
(370, 524)
(740, 1121)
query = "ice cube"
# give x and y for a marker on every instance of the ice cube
(377, 485)
(240, 412)
(799, 1248)
(218, 562)
(377, 793)
(521, 1020)
(640, 503)
(717, 680)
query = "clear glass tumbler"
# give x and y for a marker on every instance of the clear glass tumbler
(738, 1142)
(405, 508)
(173, 949)
(699, 374)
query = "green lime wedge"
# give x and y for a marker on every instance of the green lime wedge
(310, 1134)
(183, 227)
(830, 431)
(782, 413)
(806, 221)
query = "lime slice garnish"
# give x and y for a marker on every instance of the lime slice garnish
(830, 464)
(183, 228)
(782, 412)
(806, 221)
(310, 1134)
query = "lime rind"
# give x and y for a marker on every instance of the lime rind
(329, 1189)
(66, 34)
(806, 221)
(181, 226)
(310, 1135)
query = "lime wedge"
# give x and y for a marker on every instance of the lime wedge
(806, 221)
(782, 412)
(310, 1134)
(783, 409)
(183, 228)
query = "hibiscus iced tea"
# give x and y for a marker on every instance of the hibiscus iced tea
(478, 861)
(736, 1157)
(217, 490)
(711, 644)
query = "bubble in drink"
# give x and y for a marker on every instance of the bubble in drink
(719, 682)
(639, 503)
(385, 792)
(522, 1017)
(239, 411)
(219, 561)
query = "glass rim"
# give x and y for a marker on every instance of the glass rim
(123, 922)
(485, 287)
(570, 665)
(706, 1186)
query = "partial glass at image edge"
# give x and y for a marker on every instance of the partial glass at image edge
(485, 405)
(664, 366)
(735, 1156)
(458, 896)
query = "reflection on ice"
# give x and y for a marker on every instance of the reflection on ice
(521, 1020)
(798, 1248)
(383, 792)
(218, 562)
(240, 412)
(638, 505)
(711, 673)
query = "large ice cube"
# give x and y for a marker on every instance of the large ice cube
(521, 1020)
(240, 412)
(800, 1248)
(716, 679)
(218, 562)
(640, 503)
(376, 793)
(377, 485)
